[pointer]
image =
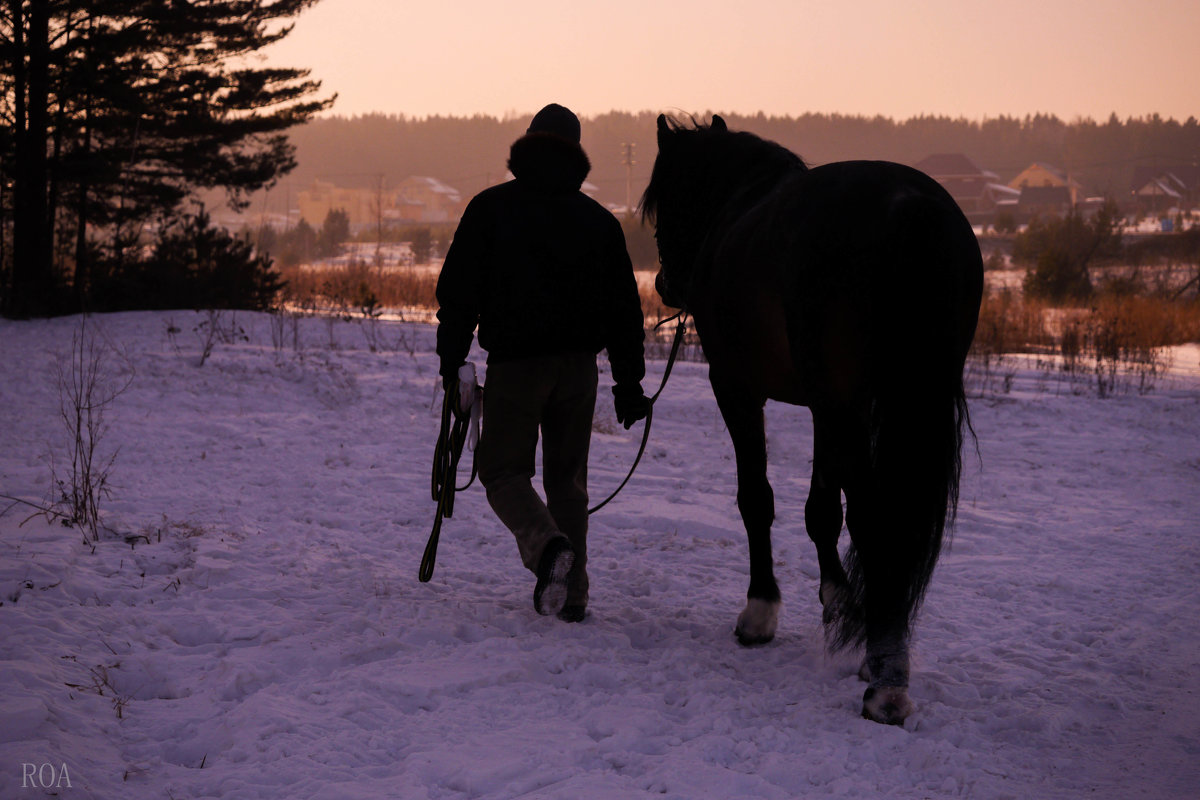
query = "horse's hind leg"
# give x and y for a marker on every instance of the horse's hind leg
(823, 515)
(886, 665)
(756, 502)
(869, 605)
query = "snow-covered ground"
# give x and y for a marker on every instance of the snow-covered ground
(253, 627)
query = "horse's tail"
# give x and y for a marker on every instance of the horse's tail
(918, 417)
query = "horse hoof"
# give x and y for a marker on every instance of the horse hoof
(888, 705)
(757, 622)
(752, 641)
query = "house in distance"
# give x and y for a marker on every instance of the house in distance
(415, 200)
(977, 191)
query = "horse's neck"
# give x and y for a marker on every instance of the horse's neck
(724, 205)
(727, 204)
(752, 191)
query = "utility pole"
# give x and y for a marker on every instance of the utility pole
(627, 152)
(1067, 175)
(379, 220)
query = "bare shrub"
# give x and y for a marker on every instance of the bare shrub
(88, 384)
(278, 324)
(216, 327)
(206, 334)
(285, 329)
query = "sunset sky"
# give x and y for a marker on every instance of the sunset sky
(966, 58)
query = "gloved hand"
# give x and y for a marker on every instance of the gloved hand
(631, 404)
(449, 377)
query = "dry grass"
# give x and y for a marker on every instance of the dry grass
(360, 288)
(1122, 341)
(1146, 322)
(1117, 341)
(1009, 323)
(1117, 334)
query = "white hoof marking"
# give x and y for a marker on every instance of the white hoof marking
(757, 622)
(887, 704)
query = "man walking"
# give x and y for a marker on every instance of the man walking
(543, 270)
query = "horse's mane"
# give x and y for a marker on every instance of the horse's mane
(737, 162)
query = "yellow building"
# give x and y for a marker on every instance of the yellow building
(360, 205)
(416, 199)
(424, 199)
(1041, 174)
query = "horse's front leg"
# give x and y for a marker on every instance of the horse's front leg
(756, 502)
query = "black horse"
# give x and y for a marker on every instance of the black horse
(852, 288)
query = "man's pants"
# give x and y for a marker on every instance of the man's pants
(558, 395)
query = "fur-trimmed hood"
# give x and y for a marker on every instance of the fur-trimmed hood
(548, 163)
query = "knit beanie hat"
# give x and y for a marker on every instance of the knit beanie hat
(557, 120)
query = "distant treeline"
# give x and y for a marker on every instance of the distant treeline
(469, 153)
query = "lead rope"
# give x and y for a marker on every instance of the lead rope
(680, 328)
(455, 430)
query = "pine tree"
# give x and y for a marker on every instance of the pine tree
(334, 231)
(114, 112)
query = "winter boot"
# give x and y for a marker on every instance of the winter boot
(550, 593)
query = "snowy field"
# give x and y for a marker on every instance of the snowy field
(251, 625)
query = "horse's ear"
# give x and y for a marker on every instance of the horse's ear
(718, 124)
(664, 128)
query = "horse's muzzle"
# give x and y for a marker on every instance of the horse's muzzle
(664, 291)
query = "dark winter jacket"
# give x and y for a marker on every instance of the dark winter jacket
(541, 268)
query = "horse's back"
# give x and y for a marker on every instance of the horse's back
(829, 267)
(867, 252)
(864, 203)
(878, 229)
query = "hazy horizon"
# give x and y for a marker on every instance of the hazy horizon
(703, 115)
(950, 58)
